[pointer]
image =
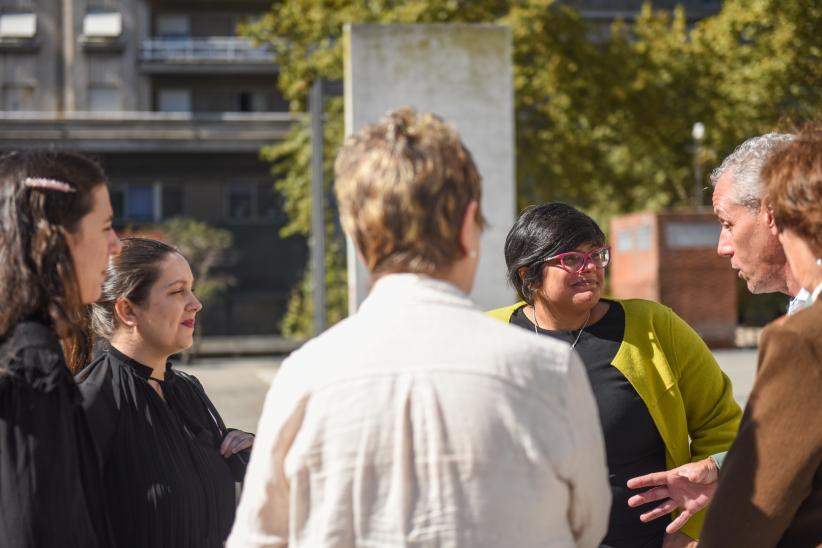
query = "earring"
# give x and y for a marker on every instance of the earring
(819, 262)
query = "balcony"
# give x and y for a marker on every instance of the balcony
(229, 54)
(144, 131)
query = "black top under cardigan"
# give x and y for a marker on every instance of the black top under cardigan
(51, 492)
(166, 483)
(633, 445)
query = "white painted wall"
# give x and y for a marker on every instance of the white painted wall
(464, 74)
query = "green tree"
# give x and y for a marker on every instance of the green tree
(604, 116)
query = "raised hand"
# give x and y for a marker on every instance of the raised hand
(689, 487)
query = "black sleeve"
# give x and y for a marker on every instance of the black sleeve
(42, 497)
(238, 461)
(101, 403)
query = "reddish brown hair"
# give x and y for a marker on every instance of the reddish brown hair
(793, 177)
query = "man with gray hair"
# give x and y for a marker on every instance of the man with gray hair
(749, 239)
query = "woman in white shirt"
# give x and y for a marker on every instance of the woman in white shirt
(419, 420)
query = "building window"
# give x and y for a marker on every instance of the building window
(173, 26)
(252, 101)
(625, 240)
(102, 25)
(174, 100)
(18, 25)
(254, 202)
(18, 97)
(103, 99)
(267, 203)
(172, 201)
(691, 234)
(642, 237)
(117, 195)
(140, 202)
(245, 102)
(240, 201)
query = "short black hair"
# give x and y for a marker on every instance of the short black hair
(542, 231)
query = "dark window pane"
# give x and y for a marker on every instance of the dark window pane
(172, 201)
(140, 203)
(267, 203)
(117, 202)
(245, 102)
(239, 202)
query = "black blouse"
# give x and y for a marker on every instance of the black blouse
(633, 446)
(51, 492)
(166, 483)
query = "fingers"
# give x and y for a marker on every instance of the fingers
(651, 495)
(678, 522)
(226, 445)
(244, 443)
(694, 472)
(662, 510)
(236, 441)
(648, 480)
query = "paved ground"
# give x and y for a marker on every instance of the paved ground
(237, 386)
(740, 366)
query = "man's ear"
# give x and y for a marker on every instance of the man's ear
(470, 231)
(124, 310)
(768, 212)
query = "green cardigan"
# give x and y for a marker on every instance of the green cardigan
(688, 396)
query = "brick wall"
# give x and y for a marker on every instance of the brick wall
(671, 257)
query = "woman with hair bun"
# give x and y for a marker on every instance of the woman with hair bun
(169, 462)
(55, 241)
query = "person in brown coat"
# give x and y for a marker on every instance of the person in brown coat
(770, 486)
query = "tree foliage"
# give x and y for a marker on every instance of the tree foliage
(604, 115)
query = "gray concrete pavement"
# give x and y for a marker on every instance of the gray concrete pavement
(740, 365)
(237, 386)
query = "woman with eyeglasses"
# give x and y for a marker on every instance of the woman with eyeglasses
(663, 401)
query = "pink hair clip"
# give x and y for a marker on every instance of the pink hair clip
(48, 184)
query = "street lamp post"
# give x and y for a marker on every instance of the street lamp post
(697, 132)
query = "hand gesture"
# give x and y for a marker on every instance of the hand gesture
(689, 487)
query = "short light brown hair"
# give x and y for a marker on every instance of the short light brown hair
(403, 185)
(793, 175)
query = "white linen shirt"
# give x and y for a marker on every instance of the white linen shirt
(420, 421)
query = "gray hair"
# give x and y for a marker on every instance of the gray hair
(746, 164)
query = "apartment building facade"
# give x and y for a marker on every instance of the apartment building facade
(176, 107)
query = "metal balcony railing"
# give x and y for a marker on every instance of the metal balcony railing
(214, 49)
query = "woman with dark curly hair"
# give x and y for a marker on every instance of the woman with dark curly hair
(55, 241)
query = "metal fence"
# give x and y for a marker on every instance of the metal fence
(215, 49)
